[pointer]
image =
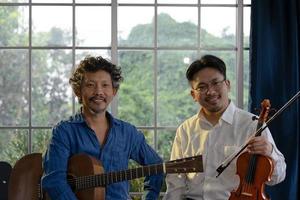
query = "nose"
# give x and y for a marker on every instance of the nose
(98, 89)
(210, 89)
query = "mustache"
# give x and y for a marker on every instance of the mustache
(211, 97)
(97, 97)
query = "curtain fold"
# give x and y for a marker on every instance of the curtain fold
(275, 75)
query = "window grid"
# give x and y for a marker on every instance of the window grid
(239, 49)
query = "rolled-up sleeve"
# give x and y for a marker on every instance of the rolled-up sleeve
(145, 155)
(279, 170)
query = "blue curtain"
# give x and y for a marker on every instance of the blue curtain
(275, 64)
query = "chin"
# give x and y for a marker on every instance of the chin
(97, 110)
(215, 108)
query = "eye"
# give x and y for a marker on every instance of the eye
(90, 85)
(105, 85)
(215, 83)
(201, 88)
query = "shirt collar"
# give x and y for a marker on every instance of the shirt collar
(227, 116)
(229, 113)
(78, 118)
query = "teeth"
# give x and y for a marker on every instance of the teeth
(212, 99)
(98, 100)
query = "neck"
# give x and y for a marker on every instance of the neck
(213, 117)
(94, 118)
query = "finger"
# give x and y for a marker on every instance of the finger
(261, 148)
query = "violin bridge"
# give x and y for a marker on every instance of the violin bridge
(247, 194)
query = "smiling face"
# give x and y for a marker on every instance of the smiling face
(96, 92)
(210, 90)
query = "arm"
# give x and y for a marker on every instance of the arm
(176, 183)
(145, 155)
(55, 167)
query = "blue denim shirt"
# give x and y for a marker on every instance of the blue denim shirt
(123, 142)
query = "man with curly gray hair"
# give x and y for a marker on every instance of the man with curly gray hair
(95, 132)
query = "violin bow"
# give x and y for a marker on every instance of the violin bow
(230, 158)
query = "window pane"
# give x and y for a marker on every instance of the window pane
(93, 1)
(13, 1)
(136, 94)
(51, 29)
(229, 57)
(13, 144)
(81, 54)
(218, 1)
(93, 25)
(40, 140)
(247, 2)
(149, 135)
(133, 30)
(51, 1)
(51, 93)
(14, 25)
(174, 102)
(165, 142)
(14, 88)
(246, 79)
(178, 1)
(177, 26)
(136, 1)
(247, 11)
(218, 30)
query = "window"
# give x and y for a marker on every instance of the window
(152, 40)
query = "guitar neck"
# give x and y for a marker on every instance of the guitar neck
(101, 180)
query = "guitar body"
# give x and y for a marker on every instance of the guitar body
(84, 165)
(25, 185)
(86, 175)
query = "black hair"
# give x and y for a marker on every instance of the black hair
(94, 64)
(206, 61)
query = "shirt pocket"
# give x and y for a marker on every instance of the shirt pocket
(229, 151)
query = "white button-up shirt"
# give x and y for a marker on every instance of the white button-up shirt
(196, 136)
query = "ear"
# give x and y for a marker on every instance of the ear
(115, 91)
(228, 84)
(77, 93)
(193, 95)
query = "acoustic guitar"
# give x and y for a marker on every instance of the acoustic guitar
(86, 175)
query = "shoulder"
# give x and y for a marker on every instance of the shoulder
(69, 123)
(118, 123)
(243, 118)
(189, 122)
(124, 129)
(245, 115)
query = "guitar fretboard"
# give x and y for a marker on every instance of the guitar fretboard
(101, 180)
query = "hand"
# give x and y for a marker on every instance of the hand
(260, 145)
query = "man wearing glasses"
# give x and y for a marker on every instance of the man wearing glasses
(216, 132)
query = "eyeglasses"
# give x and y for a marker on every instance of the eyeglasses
(204, 87)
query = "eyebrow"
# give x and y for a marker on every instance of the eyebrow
(212, 80)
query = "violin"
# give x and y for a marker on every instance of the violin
(253, 169)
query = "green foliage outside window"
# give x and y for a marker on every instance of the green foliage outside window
(51, 95)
